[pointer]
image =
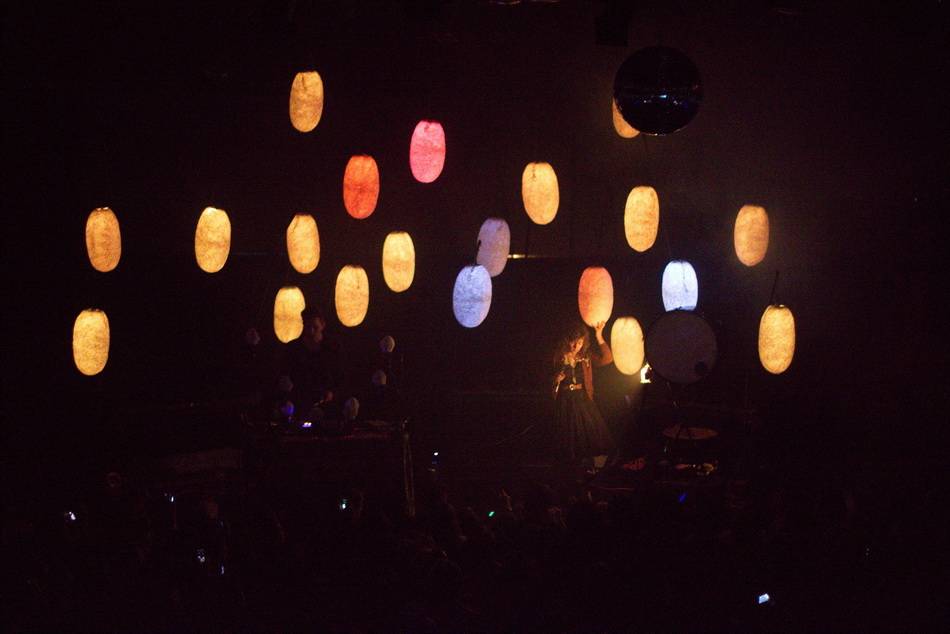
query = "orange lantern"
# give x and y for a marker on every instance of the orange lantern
(212, 239)
(595, 295)
(352, 295)
(427, 151)
(306, 101)
(776, 338)
(626, 343)
(623, 128)
(539, 191)
(360, 186)
(303, 243)
(91, 341)
(641, 218)
(399, 261)
(103, 239)
(751, 234)
(289, 303)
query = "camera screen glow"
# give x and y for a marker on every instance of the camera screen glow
(763, 598)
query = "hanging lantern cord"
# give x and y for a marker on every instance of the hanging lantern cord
(774, 287)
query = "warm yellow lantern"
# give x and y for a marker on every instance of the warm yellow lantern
(399, 261)
(595, 295)
(306, 101)
(641, 218)
(103, 240)
(539, 192)
(777, 338)
(288, 325)
(91, 341)
(352, 295)
(623, 128)
(751, 234)
(303, 243)
(626, 343)
(212, 239)
(360, 186)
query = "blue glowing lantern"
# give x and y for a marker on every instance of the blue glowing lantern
(680, 286)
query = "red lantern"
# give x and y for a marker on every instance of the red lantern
(360, 186)
(427, 151)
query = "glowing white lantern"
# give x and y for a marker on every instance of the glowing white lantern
(626, 343)
(494, 243)
(471, 297)
(680, 286)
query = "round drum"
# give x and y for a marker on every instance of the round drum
(681, 347)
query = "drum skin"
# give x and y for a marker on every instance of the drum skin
(681, 347)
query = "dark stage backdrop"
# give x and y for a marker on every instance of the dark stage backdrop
(824, 117)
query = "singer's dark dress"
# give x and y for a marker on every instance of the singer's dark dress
(579, 429)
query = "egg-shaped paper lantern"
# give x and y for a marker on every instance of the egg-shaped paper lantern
(626, 343)
(91, 341)
(399, 261)
(595, 295)
(306, 101)
(751, 235)
(471, 297)
(352, 295)
(212, 239)
(623, 128)
(427, 151)
(680, 286)
(360, 186)
(494, 243)
(289, 303)
(539, 192)
(641, 218)
(776, 338)
(303, 243)
(103, 239)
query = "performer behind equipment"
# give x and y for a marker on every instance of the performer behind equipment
(580, 433)
(312, 371)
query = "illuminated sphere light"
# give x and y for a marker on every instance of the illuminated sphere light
(427, 151)
(626, 343)
(494, 243)
(471, 297)
(595, 295)
(351, 295)
(103, 239)
(751, 235)
(288, 324)
(680, 286)
(91, 341)
(399, 261)
(540, 193)
(641, 218)
(623, 128)
(776, 338)
(306, 101)
(303, 243)
(212, 239)
(360, 186)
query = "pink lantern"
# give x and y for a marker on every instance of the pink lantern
(427, 151)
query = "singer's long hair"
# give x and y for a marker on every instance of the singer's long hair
(576, 331)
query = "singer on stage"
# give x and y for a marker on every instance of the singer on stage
(580, 433)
